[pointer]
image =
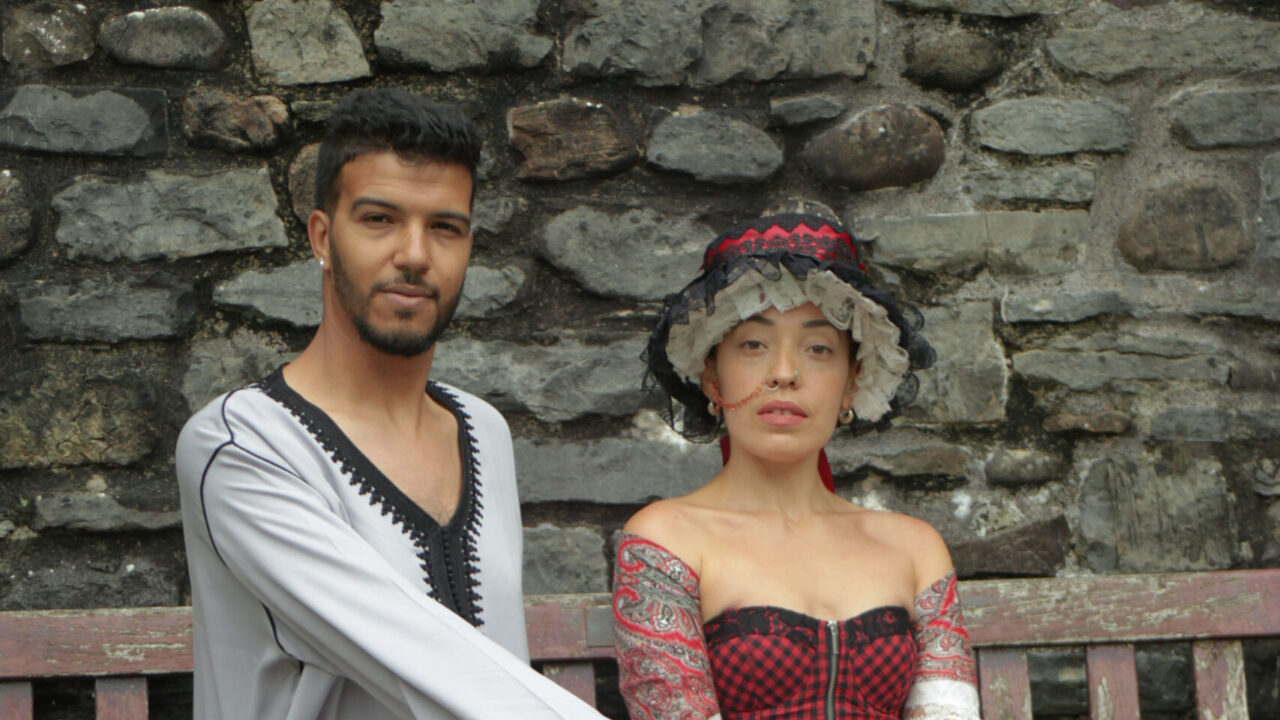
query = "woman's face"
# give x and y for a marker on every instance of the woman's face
(809, 360)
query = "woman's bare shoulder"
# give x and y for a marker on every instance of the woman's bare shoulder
(912, 536)
(673, 524)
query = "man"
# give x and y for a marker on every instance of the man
(353, 541)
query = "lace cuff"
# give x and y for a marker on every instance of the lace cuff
(664, 670)
(945, 684)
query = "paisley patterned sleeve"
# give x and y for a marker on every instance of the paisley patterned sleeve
(663, 666)
(945, 683)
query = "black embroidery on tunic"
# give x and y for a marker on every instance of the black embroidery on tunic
(452, 546)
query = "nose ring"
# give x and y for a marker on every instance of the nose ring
(773, 383)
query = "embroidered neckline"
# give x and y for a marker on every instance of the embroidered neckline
(452, 545)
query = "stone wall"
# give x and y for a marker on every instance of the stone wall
(1082, 195)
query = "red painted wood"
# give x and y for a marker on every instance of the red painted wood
(15, 701)
(121, 698)
(1113, 682)
(1219, 670)
(123, 641)
(1003, 685)
(1122, 608)
(578, 678)
(557, 627)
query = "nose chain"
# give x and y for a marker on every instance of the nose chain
(715, 392)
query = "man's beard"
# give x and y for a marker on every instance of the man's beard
(404, 343)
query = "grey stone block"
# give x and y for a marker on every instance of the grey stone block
(1111, 49)
(299, 42)
(177, 37)
(612, 470)
(654, 40)
(996, 8)
(1269, 212)
(1034, 549)
(1108, 422)
(564, 560)
(1061, 306)
(555, 383)
(98, 512)
(765, 39)
(140, 577)
(15, 216)
(42, 35)
(803, 109)
(219, 364)
(489, 290)
(1050, 126)
(165, 215)
(600, 250)
(290, 293)
(1013, 242)
(1138, 516)
(103, 310)
(1059, 183)
(89, 121)
(1094, 370)
(491, 214)
(1223, 118)
(302, 181)
(569, 138)
(1019, 467)
(1164, 340)
(970, 382)
(885, 146)
(954, 58)
(1214, 425)
(713, 147)
(447, 35)
(903, 454)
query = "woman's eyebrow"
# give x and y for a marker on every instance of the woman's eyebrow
(819, 322)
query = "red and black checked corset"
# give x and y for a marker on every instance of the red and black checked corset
(776, 664)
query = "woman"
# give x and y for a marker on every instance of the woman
(762, 594)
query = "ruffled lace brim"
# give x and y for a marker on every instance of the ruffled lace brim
(884, 361)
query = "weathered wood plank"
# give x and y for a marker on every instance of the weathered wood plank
(561, 627)
(1004, 687)
(578, 678)
(15, 701)
(121, 698)
(1122, 608)
(1113, 682)
(122, 641)
(1219, 670)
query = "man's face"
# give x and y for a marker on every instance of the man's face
(397, 246)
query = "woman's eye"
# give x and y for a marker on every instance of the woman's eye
(751, 345)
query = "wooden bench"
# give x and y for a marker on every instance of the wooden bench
(568, 633)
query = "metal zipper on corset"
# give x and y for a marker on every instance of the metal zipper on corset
(833, 631)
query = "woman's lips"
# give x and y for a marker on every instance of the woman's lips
(782, 413)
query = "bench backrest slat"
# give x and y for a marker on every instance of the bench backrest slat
(15, 700)
(1113, 682)
(1219, 671)
(93, 643)
(1003, 684)
(121, 698)
(1123, 608)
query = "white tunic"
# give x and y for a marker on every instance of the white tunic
(319, 590)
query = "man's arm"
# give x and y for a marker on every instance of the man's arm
(355, 615)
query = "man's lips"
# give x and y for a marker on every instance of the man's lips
(406, 294)
(781, 412)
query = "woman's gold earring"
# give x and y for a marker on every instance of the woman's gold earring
(713, 408)
(846, 416)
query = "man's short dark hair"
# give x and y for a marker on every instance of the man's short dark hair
(381, 119)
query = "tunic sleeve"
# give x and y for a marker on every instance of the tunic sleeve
(944, 685)
(664, 669)
(346, 609)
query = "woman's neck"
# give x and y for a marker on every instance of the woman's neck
(750, 483)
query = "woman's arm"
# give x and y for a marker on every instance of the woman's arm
(663, 665)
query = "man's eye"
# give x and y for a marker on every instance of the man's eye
(377, 218)
(450, 228)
